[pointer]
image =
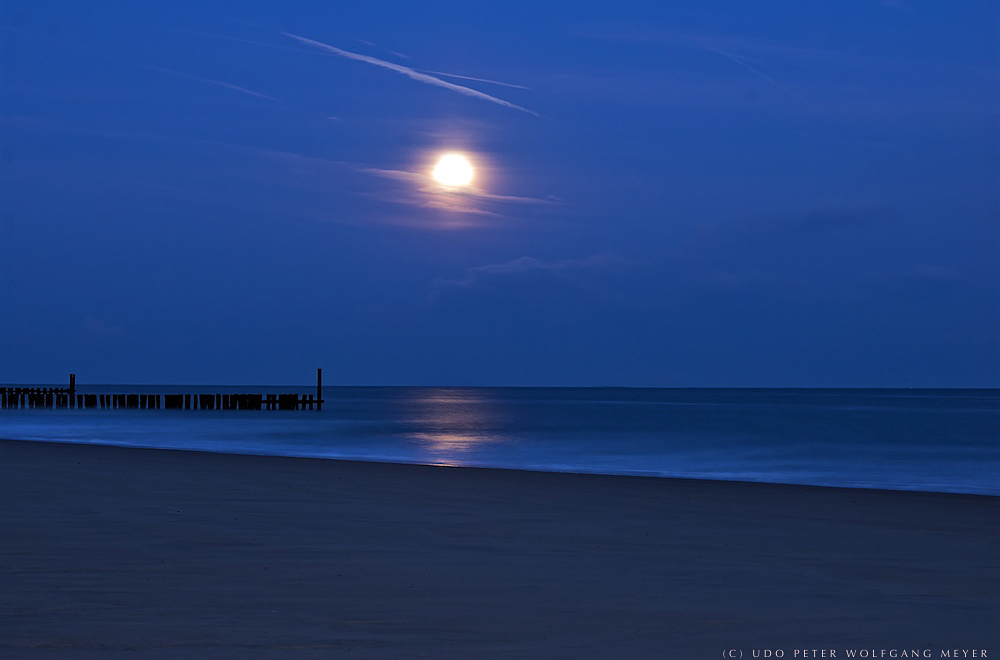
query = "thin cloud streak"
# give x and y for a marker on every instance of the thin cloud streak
(425, 193)
(526, 274)
(485, 80)
(402, 56)
(231, 86)
(742, 61)
(432, 186)
(410, 73)
(727, 46)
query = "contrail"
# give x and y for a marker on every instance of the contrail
(485, 80)
(231, 86)
(742, 61)
(410, 73)
(402, 56)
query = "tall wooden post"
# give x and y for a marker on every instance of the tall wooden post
(72, 390)
(319, 389)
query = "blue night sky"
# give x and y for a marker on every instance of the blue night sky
(692, 193)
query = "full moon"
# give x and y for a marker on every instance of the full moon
(453, 170)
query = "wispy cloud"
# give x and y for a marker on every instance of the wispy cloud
(529, 273)
(742, 46)
(429, 185)
(745, 63)
(394, 53)
(485, 80)
(410, 73)
(235, 88)
(422, 191)
(725, 46)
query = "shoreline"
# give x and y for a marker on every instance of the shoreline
(503, 468)
(142, 553)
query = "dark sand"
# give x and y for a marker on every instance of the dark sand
(130, 553)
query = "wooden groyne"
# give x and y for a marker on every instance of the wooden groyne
(68, 397)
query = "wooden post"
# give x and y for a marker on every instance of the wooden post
(72, 389)
(319, 389)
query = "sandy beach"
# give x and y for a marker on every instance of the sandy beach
(129, 553)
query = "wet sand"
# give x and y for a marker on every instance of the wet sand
(130, 553)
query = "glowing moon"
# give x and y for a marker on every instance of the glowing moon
(453, 170)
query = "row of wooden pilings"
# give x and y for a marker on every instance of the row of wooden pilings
(40, 398)
(55, 397)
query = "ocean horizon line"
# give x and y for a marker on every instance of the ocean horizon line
(81, 384)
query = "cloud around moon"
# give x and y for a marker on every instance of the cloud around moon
(427, 193)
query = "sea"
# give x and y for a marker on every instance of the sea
(938, 440)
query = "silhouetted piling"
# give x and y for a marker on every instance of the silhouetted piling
(319, 389)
